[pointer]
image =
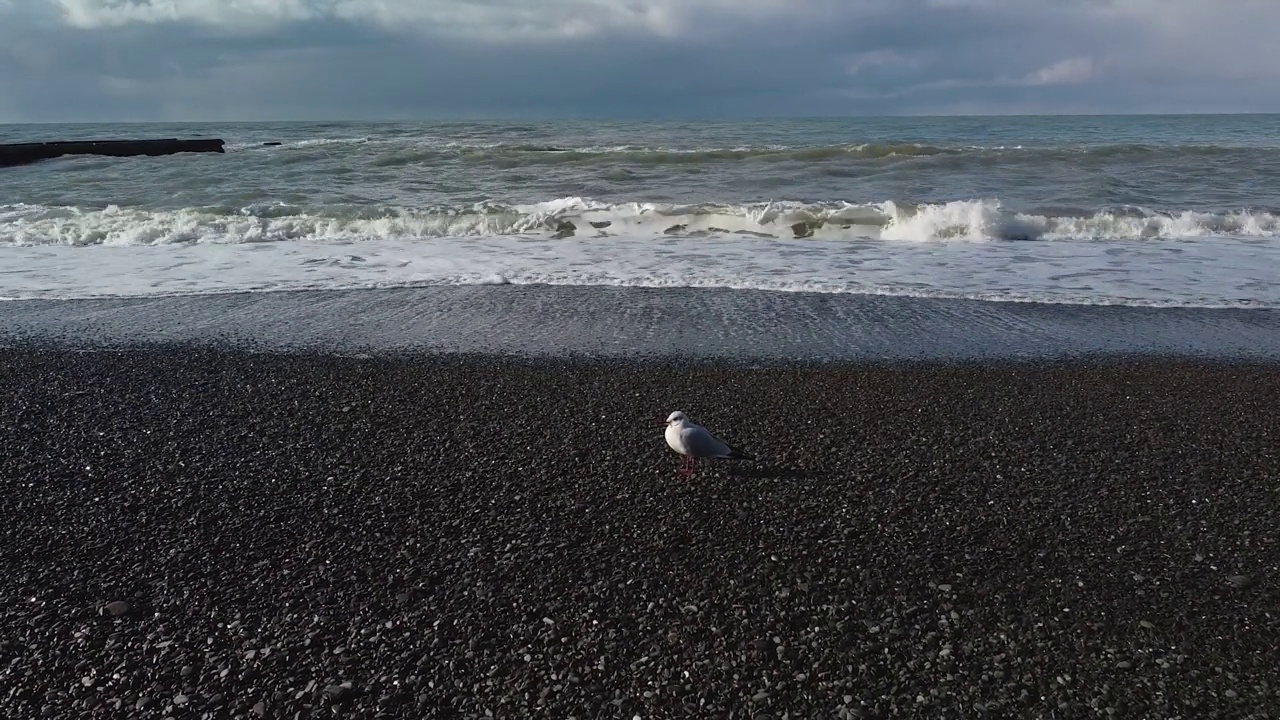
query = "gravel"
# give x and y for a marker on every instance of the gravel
(201, 533)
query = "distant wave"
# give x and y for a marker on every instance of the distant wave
(579, 218)
(532, 155)
(311, 143)
(400, 152)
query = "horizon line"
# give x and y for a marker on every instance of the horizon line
(642, 119)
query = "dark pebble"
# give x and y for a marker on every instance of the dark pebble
(303, 535)
(1243, 582)
(118, 608)
(338, 694)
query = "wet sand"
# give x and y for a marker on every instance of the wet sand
(551, 321)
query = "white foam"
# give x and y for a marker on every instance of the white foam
(987, 220)
(968, 220)
(1213, 273)
(943, 250)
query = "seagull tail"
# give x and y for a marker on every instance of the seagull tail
(736, 454)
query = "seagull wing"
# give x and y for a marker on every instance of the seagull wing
(702, 444)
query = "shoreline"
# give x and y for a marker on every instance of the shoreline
(445, 535)
(571, 321)
(443, 358)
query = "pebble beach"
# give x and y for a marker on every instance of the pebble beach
(214, 533)
(362, 419)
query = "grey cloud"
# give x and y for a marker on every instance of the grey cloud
(297, 59)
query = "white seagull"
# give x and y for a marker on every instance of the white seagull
(696, 443)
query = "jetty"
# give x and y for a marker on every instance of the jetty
(24, 153)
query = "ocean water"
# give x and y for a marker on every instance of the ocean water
(1180, 211)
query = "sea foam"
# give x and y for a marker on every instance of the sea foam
(583, 218)
(1222, 272)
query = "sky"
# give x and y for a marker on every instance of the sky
(222, 60)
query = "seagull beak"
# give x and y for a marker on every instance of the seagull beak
(663, 421)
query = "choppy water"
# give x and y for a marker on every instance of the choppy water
(1181, 211)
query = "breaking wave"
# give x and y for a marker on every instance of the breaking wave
(964, 220)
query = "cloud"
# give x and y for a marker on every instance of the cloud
(1071, 71)
(231, 13)
(878, 59)
(492, 20)
(260, 59)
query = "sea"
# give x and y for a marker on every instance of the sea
(839, 235)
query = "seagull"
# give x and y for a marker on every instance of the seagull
(697, 443)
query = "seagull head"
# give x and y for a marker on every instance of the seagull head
(676, 418)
